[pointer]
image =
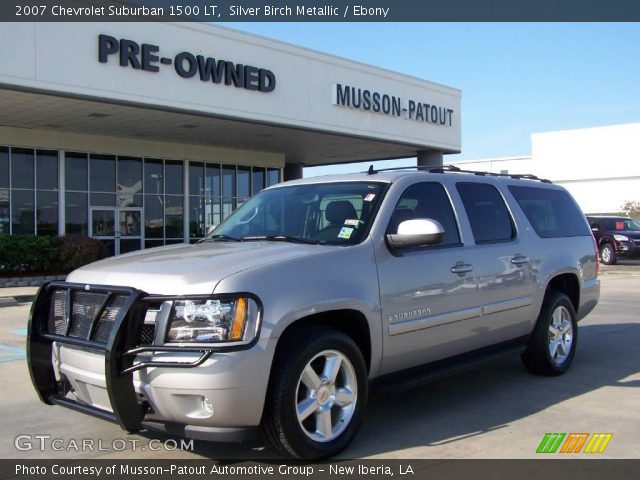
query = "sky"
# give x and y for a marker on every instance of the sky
(516, 78)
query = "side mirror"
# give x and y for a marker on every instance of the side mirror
(416, 233)
(595, 229)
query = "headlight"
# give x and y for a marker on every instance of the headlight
(230, 320)
(621, 238)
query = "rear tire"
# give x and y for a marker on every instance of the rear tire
(553, 343)
(317, 394)
(608, 254)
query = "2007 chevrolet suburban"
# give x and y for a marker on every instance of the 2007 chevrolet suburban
(312, 291)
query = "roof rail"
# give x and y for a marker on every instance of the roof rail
(454, 169)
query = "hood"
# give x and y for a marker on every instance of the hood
(187, 269)
(628, 233)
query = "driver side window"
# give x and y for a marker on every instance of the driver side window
(426, 200)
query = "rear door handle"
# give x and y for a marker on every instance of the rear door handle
(461, 268)
(519, 260)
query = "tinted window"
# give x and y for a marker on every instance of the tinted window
(103, 173)
(273, 176)
(552, 213)
(153, 178)
(21, 168)
(76, 213)
(426, 200)
(4, 167)
(173, 177)
(196, 178)
(75, 171)
(258, 180)
(488, 215)
(47, 169)
(244, 182)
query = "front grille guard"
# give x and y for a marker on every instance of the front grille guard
(120, 352)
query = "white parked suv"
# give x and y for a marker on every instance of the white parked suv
(310, 293)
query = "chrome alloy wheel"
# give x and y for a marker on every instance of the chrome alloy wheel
(560, 335)
(606, 254)
(326, 396)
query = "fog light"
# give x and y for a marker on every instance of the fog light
(207, 406)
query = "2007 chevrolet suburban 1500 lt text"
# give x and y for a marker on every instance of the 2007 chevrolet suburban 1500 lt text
(312, 291)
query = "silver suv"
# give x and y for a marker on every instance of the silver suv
(312, 292)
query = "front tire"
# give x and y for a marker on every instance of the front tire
(553, 343)
(608, 254)
(317, 394)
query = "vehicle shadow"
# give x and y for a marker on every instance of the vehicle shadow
(477, 401)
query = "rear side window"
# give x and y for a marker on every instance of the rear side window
(488, 215)
(552, 213)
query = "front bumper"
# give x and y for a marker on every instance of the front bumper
(196, 391)
(627, 249)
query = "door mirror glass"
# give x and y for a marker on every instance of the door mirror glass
(415, 233)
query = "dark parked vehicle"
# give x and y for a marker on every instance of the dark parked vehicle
(617, 237)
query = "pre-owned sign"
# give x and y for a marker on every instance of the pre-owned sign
(377, 102)
(187, 65)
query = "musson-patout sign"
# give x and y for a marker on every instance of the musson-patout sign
(394, 106)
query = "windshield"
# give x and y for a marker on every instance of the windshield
(324, 213)
(622, 224)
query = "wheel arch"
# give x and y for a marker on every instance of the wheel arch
(567, 283)
(351, 322)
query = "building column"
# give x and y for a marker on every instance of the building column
(292, 171)
(430, 158)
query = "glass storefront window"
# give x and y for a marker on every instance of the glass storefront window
(4, 167)
(174, 216)
(228, 206)
(273, 176)
(94, 183)
(244, 183)
(5, 213)
(75, 171)
(129, 175)
(257, 182)
(153, 176)
(103, 199)
(22, 212)
(22, 168)
(46, 170)
(212, 181)
(76, 213)
(196, 178)
(196, 217)
(228, 181)
(47, 213)
(173, 179)
(212, 212)
(103, 173)
(153, 216)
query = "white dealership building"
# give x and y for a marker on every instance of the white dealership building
(145, 134)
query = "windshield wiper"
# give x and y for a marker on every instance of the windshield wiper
(221, 237)
(281, 238)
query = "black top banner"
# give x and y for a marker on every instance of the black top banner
(320, 10)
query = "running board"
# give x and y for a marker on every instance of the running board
(418, 376)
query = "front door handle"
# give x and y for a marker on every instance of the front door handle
(461, 268)
(519, 260)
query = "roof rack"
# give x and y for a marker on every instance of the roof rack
(454, 169)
